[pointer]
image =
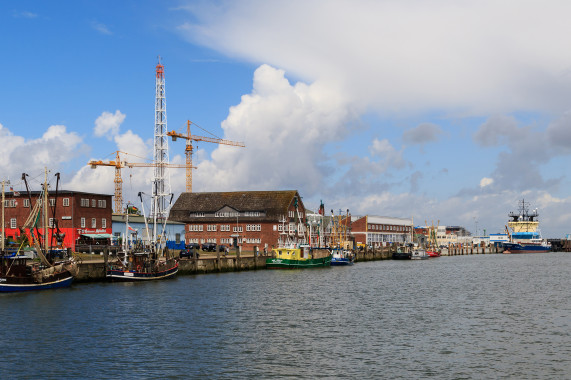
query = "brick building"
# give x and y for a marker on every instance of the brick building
(380, 230)
(81, 217)
(254, 218)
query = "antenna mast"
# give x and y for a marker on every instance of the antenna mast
(161, 184)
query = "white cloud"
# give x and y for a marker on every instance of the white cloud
(469, 57)
(384, 149)
(285, 128)
(53, 149)
(486, 182)
(107, 124)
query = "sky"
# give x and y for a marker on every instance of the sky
(449, 112)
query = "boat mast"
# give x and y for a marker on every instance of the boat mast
(3, 229)
(45, 210)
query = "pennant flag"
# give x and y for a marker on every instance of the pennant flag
(131, 228)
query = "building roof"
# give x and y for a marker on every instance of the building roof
(374, 219)
(121, 218)
(272, 204)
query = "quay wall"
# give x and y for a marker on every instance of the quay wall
(94, 270)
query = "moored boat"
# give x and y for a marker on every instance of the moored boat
(525, 236)
(296, 257)
(341, 257)
(419, 254)
(144, 263)
(403, 253)
(20, 273)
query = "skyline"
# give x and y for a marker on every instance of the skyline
(450, 112)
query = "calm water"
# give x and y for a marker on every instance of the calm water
(481, 316)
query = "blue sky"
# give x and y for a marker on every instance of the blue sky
(450, 111)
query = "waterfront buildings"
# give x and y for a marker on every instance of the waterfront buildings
(80, 217)
(249, 219)
(377, 231)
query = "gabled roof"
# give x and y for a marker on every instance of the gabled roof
(273, 203)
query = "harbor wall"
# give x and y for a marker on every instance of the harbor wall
(94, 270)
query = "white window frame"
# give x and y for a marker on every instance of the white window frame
(103, 223)
(65, 202)
(93, 222)
(13, 223)
(82, 223)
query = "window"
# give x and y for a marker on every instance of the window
(238, 229)
(291, 214)
(51, 223)
(211, 227)
(82, 222)
(103, 223)
(100, 203)
(13, 223)
(66, 202)
(52, 202)
(10, 203)
(84, 202)
(199, 215)
(26, 203)
(93, 203)
(93, 223)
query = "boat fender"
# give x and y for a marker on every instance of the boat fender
(138, 268)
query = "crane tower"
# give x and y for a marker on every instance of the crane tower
(161, 184)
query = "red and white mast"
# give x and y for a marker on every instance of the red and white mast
(161, 181)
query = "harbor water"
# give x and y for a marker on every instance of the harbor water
(461, 317)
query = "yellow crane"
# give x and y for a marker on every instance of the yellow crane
(118, 165)
(189, 148)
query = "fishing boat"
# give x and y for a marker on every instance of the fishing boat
(55, 269)
(294, 254)
(419, 254)
(525, 236)
(341, 255)
(144, 262)
(298, 256)
(403, 253)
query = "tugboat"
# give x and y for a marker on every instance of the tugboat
(18, 273)
(525, 236)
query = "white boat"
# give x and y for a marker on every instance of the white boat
(419, 254)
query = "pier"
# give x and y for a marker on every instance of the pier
(94, 270)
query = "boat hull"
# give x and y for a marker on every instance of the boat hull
(134, 275)
(280, 263)
(6, 286)
(341, 261)
(525, 248)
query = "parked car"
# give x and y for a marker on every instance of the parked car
(188, 253)
(193, 245)
(209, 247)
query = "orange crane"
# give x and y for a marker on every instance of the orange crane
(118, 165)
(188, 150)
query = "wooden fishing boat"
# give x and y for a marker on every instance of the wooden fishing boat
(20, 273)
(298, 257)
(144, 263)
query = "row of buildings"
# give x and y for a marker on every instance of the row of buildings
(250, 219)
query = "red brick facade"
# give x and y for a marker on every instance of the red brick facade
(77, 213)
(254, 218)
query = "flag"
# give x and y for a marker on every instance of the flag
(131, 228)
